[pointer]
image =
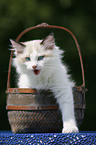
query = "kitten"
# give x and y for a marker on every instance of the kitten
(38, 64)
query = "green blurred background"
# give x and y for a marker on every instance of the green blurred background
(79, 16)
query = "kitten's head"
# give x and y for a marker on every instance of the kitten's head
(34, 56)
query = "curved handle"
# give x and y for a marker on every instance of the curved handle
(45, 25)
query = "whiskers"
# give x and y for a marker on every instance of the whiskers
(14, 77)
(49, 68)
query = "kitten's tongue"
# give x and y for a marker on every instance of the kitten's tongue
(36, 72)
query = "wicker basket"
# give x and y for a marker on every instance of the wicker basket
(30, 110)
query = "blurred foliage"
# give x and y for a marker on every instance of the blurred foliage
(79, 16)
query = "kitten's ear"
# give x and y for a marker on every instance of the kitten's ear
(17, 46)
(49, 41)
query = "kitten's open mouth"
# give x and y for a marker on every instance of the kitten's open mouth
(36, 71)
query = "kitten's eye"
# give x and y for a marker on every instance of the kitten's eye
(27, 58)
(40, 57)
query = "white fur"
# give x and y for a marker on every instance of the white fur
(53, 76)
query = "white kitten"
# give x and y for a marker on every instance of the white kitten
(38, 64)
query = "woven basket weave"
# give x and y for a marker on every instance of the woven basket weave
(30, 110)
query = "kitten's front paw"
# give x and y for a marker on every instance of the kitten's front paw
(70, 129)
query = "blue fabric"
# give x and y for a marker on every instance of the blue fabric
(8, 138)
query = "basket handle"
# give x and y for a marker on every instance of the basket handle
(45, 25)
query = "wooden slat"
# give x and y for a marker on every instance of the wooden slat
(20, 90)
(53, 107)
(29, 90)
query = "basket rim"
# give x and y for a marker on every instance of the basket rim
(34, 91)
(39, 108)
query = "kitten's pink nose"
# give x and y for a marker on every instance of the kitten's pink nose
(34, 66)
